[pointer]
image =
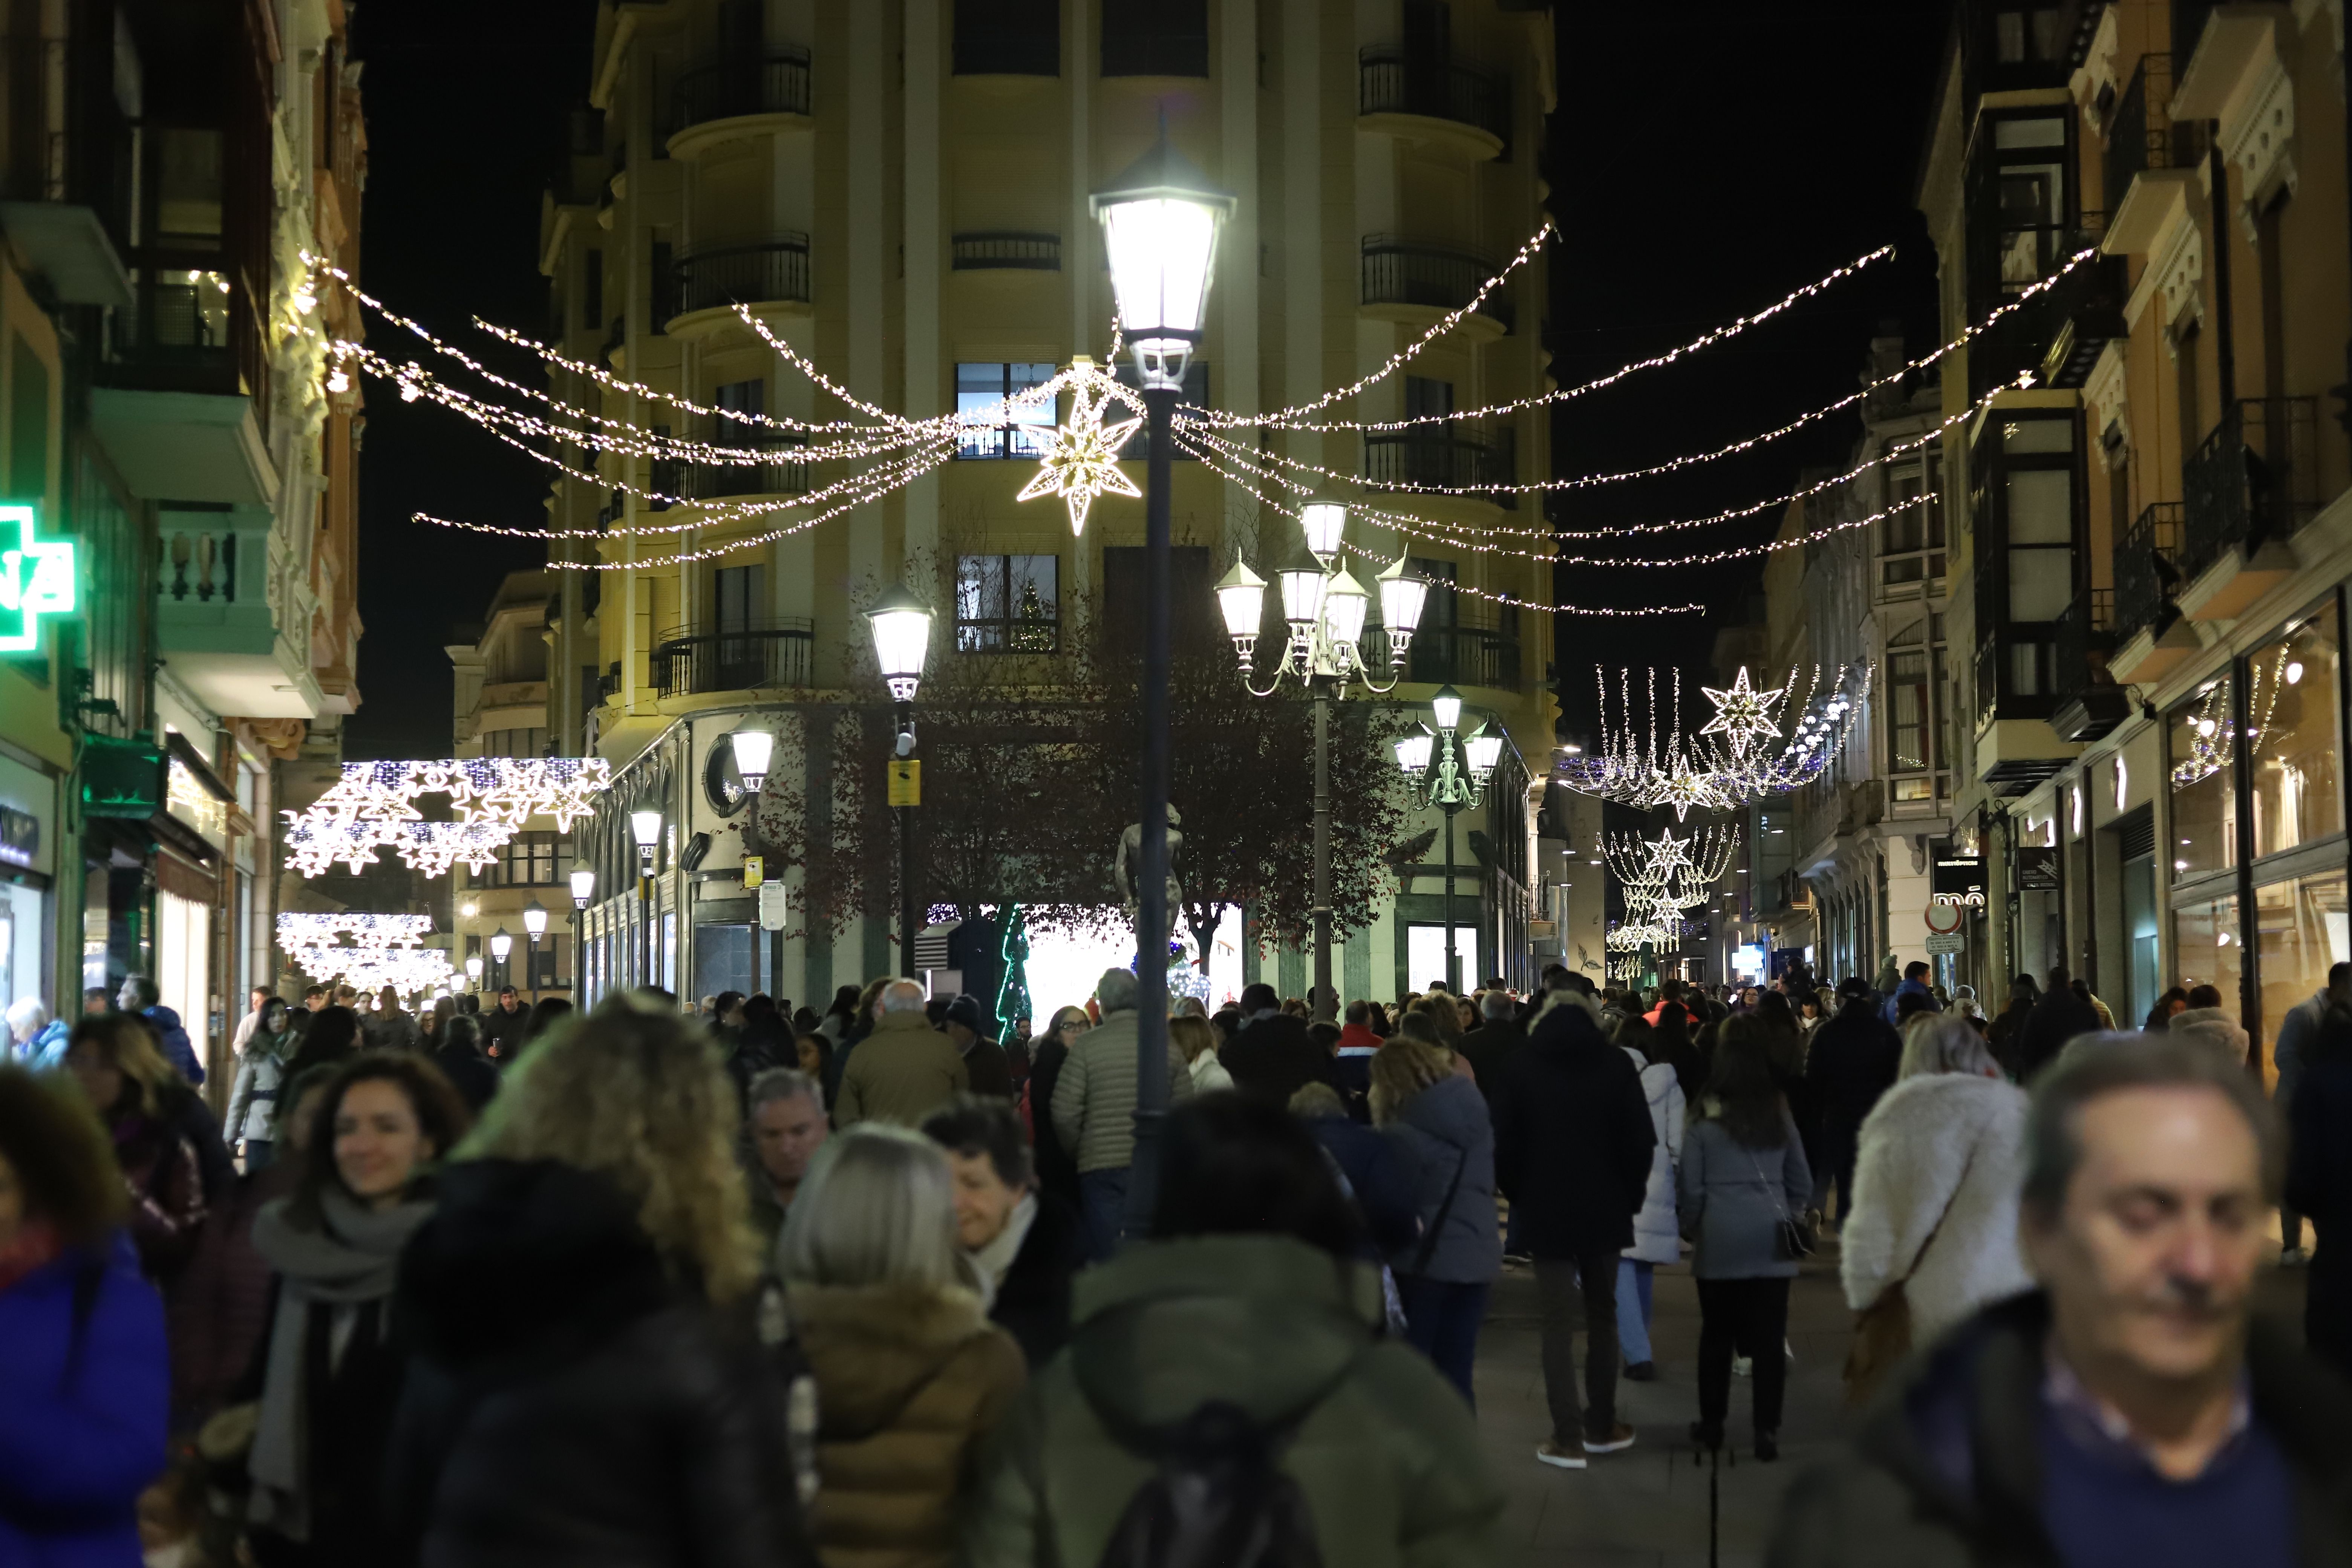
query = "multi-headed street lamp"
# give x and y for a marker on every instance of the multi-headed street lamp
(1160, 224)
(1464, 765)
(1324, 606)
(902, 639)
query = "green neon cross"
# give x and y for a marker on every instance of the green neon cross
(36, 578)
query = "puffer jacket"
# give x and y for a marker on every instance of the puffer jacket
(178, 1049)
(909, 1381)
(901, 1072)
(1941, 1155)
(2214, 1027)
(1387, 1455)
(1656, 1236)
(1442, 1130)
(1093, 1094)
(260, 1074)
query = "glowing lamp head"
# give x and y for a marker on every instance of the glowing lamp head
(752, 750)
(502, 943)
(1302, 595)
(584, 884)
(1326, 522)
(534, 919)
(902, 636)
(1403, 594)
(645, 828)
(469, 909)
(1412, 752)
(1344, 606)
(1159, 222)
(1482, 749)
(1240, 599)
(473, 966)
(2295, 672)
(1447, 708)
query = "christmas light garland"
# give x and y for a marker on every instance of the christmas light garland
(372, 804)
(1686, 771)
(383, 950)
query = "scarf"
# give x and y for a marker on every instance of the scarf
(995, 1259)
(351, 1258)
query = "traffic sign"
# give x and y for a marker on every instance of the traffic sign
(907, 782)
(1946, 942)
(1958, 913)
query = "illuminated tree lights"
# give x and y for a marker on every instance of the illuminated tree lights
(373, 805)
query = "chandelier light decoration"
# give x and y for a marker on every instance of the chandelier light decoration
(1661, 878)
(1739, 756)
(365, 952)
(373, 806)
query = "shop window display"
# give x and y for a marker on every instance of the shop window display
(2295, 728)
(2203, 777)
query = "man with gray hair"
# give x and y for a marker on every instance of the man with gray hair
(2131, 1409)
(1498, 1038)
(904, 1069)
(1094, 1108)
(784, 1130)
(141, 995)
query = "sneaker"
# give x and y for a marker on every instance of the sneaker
(1767, 1446)
(1642, 1371)
(1742, 1367)
(1550, 1453)
(2294, 1257)
(1620, 1439)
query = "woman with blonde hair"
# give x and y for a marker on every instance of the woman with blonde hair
(588, 1384)
(1192, 1034)
(910, 1373)
(143, 1101)
(1437, 1122)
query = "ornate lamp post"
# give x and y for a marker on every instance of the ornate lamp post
(752, 750)
(501, 944)
(583, 889)
(902, 637)
(1159, 222)
(1324, 606)
(1464, 766)
(534, 922)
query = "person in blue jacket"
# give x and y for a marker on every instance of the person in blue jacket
(84, 1382)
(141, 995)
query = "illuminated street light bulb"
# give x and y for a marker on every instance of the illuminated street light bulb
(752, 749)
(1159, 222)
(1344, 606)
(645, 828)
(1412, 752)
(1326, 522)
(1447, 706)
(469, 909)
(1240, 599)
(474, 967)
(902, 635)
(1483, 750)
(584, 884)
(1302, 595)
(534, 919)
(502, 943)
(1403, 594)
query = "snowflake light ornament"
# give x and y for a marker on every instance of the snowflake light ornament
(1742, 713)
(1080, 460)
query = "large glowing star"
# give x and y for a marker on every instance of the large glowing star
(37, 579)
(1081, 459)
(1741, 712)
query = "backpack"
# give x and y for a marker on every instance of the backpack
(1218, 1500)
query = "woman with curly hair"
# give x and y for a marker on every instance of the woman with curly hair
(589, 1386)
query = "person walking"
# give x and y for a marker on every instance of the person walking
(36, 1040)
(2134, 1408)
(1670, 1041)
(2058, 1016)
(760, 1042)
(1195, 1039)
(1025, 1242)
(618, 1405)
(1498, 1037)
(1913, 984)
(1854, 1059)
(141, 995)
(904, 1069)
(1273, 1342)
(2006, 1033)
(1932, 1236)
(1094, 1108)
(504, 1027)
(141, 1100)
(910, 1375)
(1657, 1237)
(331, 1039)
(785, 1129)
(1438, 1121)
(252, 1121)
(967, 1027)
(2298, 1039)
(460, 1058)
(1741, 1187)
(389, 1027)
(1572, 1151)
(1374, 1173)
(2319, 1182)
(1057, 1166)
(1273, 1056)
(2205, 1019)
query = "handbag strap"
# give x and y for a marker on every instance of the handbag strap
(1935, 1229)
(1437, 1227)
(1768, 1186)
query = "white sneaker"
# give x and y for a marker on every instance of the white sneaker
(1547, 1453)
(1741, 1366)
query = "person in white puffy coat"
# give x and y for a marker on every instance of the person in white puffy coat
(1936, 1183)
(1657, 1238)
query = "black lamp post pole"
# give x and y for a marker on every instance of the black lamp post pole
(1325, 1003)
(1151, 902)
(907, 924)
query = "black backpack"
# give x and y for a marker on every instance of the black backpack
(1220, 1499)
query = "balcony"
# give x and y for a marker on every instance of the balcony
(738, 98)
(2247, 489)
(1005, 250)
(781, 471)
(2151, 160)
(740, 658)
(2059, 332)
(213, 624)
(1418, 284)
(771, 276)
(1433, 100)
(2090, 703)
(2079, 317)
(1442, 461)
(183, 392)
(2147, 573)
(1479, 647)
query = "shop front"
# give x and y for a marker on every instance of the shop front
(28, 901)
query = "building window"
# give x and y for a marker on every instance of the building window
(2205, 946)
(1008, 38)
(536, 860)
(2026, 548)
(1155, 38)
(1008, 603)
(530, 742)
(2303, 927)
(2294, 735)
(2030, 34)
(1908, 708)
(989, 431)
(1912, 538)
(2024, 211)
(2199, 751)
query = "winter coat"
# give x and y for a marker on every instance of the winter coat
(2319, 1186)
(1890, 1009)
(220, 1302)
(1854, 1060)
(1946, 1470)
(188, 1112)
(1442, 1131)
(990, 1071)
(1731, 1199)
(1384, 1451)
(1656, 1238)
(159, 1170)
(2214, 1027)
(502, 1031)
(1093, 1094)
(1209, 1074)
(177, 1048)
(1381, 1181)
(84, 1391)
(2298, 1039)
(48, 1048)
(607, 1414)
(1033, 1300)
(910, 1379)
(391, 1031)
(1057, 1166)
(1908, 1181)
(253, 1101)
(1490, 1047)
(901, 1072)
(1572, 1139)
(2057, 1018)
(1274, 1059)
(469, 1073)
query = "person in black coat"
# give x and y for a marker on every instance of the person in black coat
(1572, 1146)
(2058, 1018)
(985, 1061)
(1377, 1179)
(1274, 1057)
(460, 1057)
(1854, 1060)
(1028, 1242)
(505, 1026)
(2319, 1182)
(1498, 1037)
(1056, 1167)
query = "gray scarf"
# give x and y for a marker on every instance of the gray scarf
(351, 1258)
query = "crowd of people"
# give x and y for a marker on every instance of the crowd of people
(869, 1288)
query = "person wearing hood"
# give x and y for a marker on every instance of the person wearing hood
(1438, 1123)
(260, 1073)
(1854, 1059)
(1913, 984)
(139, 1100)
(621, 1406)
(141, 995)
(910, 1375)
(2205, 1019)
(1026, 1242)
(1657, 1238)
(1247, 1304)
(985, 1063)
(38, 1039)
(1273, 1056)
(904, 1069)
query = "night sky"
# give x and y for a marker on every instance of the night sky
(1705, 160)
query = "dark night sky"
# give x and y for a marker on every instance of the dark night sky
(1704, 160)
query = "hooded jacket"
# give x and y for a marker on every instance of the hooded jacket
(1572, 1138)
(1940, 1154)
(177, 1051)
(2216, 1027)
(1440, 1131)
(908, 1379)
(1385, 1451)
(2058, 1018)
(260, 1074)
(1656, 1238)
(569, 1402)
(901, 1072)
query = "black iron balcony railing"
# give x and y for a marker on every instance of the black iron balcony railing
(1391, 81)
(1434, 458)
(774, 81)
(736, 659)
(2251, 482)
(755, 273)
(2086, 635)
(780, 471)
(1479, 646)
(992, 249)
(2141, 134)
(1398, 273)
(187, 331)
(2059, 332)
(2147, 568)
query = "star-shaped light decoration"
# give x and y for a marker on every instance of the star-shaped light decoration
(1683, 789)
(1080, 460)
(1742, 713)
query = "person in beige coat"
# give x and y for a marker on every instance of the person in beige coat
(1094, 1108)
(910, 1375)
(904, 1069)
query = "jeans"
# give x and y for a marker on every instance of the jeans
(1633, 1308)
(1441, 1321)
(1102, 1196)
(1750, 1317)
(1559, 1283)
(1839, 1142)
(258, 1153)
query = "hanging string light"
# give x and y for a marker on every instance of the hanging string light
(372, 804)
(1654, 769)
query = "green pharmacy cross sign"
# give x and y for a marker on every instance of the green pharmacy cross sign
(36, 578)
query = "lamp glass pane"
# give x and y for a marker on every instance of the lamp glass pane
(1343, 612)
(1242, 605)
(584, 884)
(1302, 594)
(1412, 752)
(534, 920)
(901, 638)
(753, 748)
(1324, 522)
(1160, 248)
(645, 826)
(1401, 602)
(501, 944)
(1448, 710)
(1484, 750)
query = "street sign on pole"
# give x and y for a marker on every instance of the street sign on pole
(775, 906)
(1946, 942)
(755, 870)
(907, 782)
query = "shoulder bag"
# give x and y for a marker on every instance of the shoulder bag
(1793, 1239)
(1882, 1331)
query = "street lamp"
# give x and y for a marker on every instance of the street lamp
(1465, 764)
(645, 828)
(1325, 608)
(1159, 222)
(584, 884)
(501, 944)
(534, 921)
(474, 969)
(902, 637)
(583, 889)
(752, 750)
